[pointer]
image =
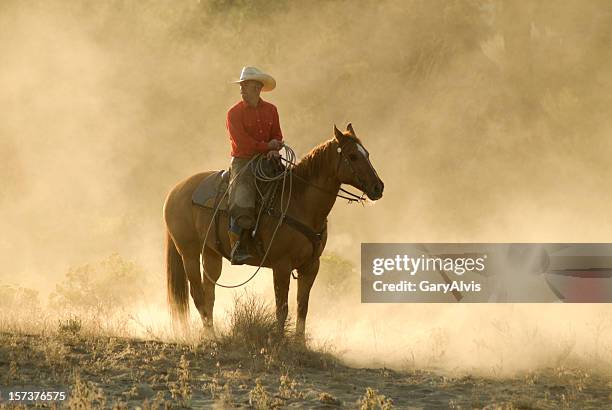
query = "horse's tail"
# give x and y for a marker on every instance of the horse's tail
(178, 290)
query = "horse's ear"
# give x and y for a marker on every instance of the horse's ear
(350, 129)
(338, 134)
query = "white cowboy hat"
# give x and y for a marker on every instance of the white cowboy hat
(253, 73)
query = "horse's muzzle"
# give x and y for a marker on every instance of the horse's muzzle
(377, 191)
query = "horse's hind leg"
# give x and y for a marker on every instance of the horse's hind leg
(306, 277)
(212, 264)
(191, 261)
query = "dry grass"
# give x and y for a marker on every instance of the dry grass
(252, 325)
(250, 364)
(252, 337)
(372, 400)
(113, 372)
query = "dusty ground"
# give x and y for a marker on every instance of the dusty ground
(106, 372)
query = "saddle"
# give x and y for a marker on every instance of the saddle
(209, 194)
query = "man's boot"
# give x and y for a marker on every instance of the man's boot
(240, 250)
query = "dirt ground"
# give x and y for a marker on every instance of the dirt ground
(107, 372)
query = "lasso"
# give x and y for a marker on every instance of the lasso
(256, 164)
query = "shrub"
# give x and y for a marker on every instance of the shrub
(252, 324)
(336, 275)
(18, 298)
(100, 288)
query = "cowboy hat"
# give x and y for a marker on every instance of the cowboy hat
(253, 73)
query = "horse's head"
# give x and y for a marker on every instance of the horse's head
(354, 166)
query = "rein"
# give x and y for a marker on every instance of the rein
(351, 198)
(257, 169)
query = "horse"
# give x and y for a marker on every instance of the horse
(316, 183)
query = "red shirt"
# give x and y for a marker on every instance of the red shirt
(251, 128)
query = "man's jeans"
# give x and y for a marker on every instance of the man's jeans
(242, 194)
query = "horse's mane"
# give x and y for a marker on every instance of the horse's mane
(321, 156)
(317, 158)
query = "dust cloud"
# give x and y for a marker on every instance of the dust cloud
(488, 121)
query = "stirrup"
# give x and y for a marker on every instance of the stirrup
(239, 255)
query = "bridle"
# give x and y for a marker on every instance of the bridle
(351, 196)
(348, 161)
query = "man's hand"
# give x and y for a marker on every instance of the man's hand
(273, 154)
(275, 145)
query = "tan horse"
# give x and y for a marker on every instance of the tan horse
(316, 183)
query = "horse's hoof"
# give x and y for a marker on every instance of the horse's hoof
(208, 332)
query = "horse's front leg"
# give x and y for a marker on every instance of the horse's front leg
(282, 274)
(306, 277)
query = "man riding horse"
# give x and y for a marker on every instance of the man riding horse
(254, 128)
(293, 230)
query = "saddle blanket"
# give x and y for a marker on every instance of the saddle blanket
(205, 194)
